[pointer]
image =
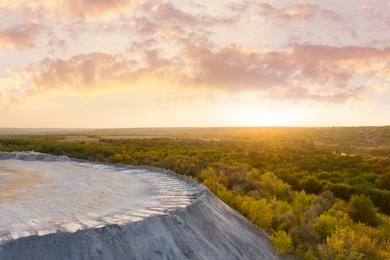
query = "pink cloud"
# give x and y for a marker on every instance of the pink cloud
(90, 9)
(374, 20)
(268, 10)
(365, 61)
(20, 35)
(51, 19)
(83, 71)
(139, 46)
(340, 63)
(166, 15)
(300, 11)
(92, 71)
(370, 13)
(304, 72)
(232, 68)
(239, 7)
(304, 12)
(145, 26)
(65, 9)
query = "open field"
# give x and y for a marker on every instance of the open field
(348, 139)
(95, 139)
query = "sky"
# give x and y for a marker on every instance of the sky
(125, 63)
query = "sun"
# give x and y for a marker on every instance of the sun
(251, 116)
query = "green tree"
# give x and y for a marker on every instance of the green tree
(311, 185)
(261, 213)
(300, 204)
(325, 225)
(282, 242)
(361, 209)
(383, 181)
(346, 244)
(273, 186)
(117, 158)
(341, 245)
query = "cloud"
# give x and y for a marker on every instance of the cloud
(176, 48)
(304, 72)
(88, 9)
(375, 86)
(300, 11)
(169, 14)
(364, 61)
(60, 24)
(82, 72)
(137, 46)
(66, 10)
(25, 23)
(163, 16)
(85, 73)
(20, 36)
(232, 68)
(267, 10)
(145, 26)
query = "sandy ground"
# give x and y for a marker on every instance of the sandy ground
(54, 207)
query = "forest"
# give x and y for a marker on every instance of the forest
(321, 193)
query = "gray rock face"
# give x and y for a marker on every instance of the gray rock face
(175, 218)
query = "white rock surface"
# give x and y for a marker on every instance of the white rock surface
(53, 207)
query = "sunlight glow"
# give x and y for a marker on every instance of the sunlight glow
(265, 117)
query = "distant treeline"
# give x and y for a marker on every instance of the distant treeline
(318, 202)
